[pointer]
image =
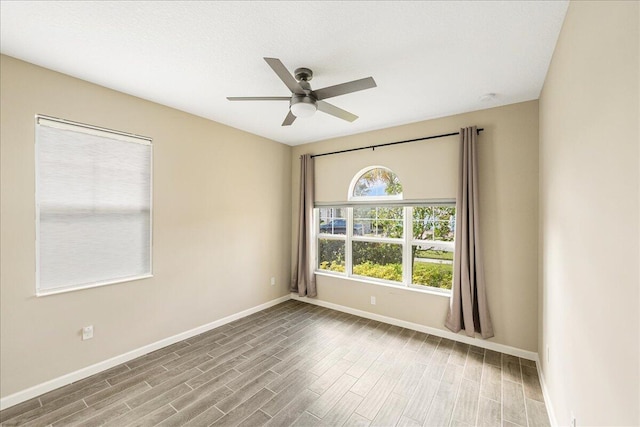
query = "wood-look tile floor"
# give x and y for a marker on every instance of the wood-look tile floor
(302, 365)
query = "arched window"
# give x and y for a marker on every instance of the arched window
(375, 183)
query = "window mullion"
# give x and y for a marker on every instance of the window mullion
(406, 248)
(348, 259)
(392, 240)
(315, 237)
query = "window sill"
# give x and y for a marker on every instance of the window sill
(433, 291)
(55, 291)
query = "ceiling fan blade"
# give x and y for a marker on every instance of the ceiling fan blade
(325, 107)
(278, 67)
(289, 119)
(344, 88)
(259, 98)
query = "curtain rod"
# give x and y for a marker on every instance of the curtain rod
(373, 147)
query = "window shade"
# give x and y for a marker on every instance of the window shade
(93, 207)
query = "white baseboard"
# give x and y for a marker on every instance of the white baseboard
(525, 354)
(545, 394)
(80, 374)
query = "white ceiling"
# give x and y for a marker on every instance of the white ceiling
(429, 59)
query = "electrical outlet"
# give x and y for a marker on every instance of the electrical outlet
(87, 332)
(573, 420)
(273, 281)
(373, 300)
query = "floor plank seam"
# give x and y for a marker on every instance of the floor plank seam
(455, 400)
(480, 390)
(524, 395)
(501, 391)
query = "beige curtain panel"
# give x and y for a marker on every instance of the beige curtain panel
(468, 308)
(304, 278)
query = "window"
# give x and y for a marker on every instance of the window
(93, 206)
(375, 183)
(331, 246)
(432, 247)
(376, 237)
(377, 251)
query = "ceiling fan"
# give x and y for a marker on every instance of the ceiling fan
(304, 101)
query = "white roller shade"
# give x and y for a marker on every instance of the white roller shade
(93, 197)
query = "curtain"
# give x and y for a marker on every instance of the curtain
(468, 307)
(304, 278)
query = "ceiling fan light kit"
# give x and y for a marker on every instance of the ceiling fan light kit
(304, 101)
(302, 106)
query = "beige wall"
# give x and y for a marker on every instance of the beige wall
(589, 217)
(508, 162)
(221, 229)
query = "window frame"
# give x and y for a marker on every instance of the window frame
(406, 242)
(53, 122)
